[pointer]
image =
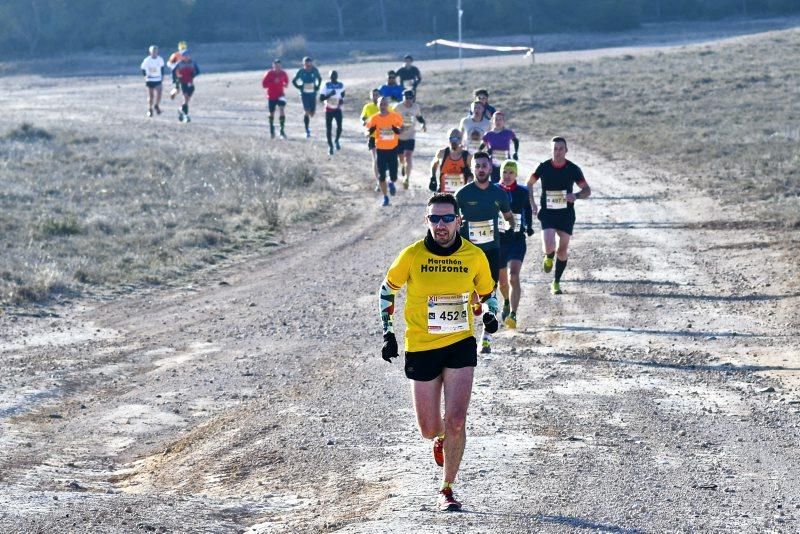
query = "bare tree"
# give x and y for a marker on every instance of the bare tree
(23, 19)
(340, 5)
(382, 11)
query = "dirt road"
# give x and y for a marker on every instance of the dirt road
(660, 393)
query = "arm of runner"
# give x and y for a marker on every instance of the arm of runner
(468, 168)
(387, 293)
(531, 181)
(421, 120)
(297, 86)
(585, 191)
(318, 81)
(516, 148)
(196, 69)
(527, 214)
(509, 217)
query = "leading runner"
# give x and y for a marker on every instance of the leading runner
(441, 271)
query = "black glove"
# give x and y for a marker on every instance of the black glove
(322, 98)
(433, 185)
(515, 156)
(529, 231)
(389, 349)
(490, 323)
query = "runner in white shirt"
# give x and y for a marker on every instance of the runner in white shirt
(474, 127)
(153, 71)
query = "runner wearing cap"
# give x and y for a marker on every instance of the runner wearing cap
(411, 114)
(275, 82)
(308, 81)
(391, 88)
(451, 167)
(408, 75)
(153, 71)
(333, 96)
(512, 242)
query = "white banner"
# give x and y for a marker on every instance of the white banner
(444, 42)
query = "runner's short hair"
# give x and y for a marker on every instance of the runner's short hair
(478, 155)
(408, 57)
(444, 198)
(307, 58)
(559, 139)
(481, 92)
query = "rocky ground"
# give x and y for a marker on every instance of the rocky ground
(659, 393)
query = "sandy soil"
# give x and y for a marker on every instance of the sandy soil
(660, 393)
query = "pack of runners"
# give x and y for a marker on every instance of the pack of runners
(478, 221)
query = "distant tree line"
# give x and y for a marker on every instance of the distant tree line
(39, 26)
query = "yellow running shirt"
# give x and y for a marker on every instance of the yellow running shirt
(437, 308)
(369, 109)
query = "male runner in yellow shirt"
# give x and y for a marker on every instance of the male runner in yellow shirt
(441, 272)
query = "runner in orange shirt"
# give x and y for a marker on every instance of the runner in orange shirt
(386, 125)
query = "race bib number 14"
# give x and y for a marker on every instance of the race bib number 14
(481, 232)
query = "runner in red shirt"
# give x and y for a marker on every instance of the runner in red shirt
(275, 81)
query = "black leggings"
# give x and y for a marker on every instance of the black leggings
(387, 160)
(330, 116)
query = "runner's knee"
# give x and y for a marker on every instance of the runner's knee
(454, 421)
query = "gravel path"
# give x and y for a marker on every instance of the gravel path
(660, 393)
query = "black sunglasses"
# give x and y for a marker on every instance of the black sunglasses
(434, 219)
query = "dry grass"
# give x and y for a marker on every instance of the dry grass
(725, 119)
(78, 211)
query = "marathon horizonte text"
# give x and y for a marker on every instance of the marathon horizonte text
(443, 266)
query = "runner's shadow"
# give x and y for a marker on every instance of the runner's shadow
(711, 298)
(627, 282)
(575, 522)
(650, 331)
(719, 368)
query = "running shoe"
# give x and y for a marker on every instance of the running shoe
(338, 146)
(446, 502)
(308, 134)
(486, 346)
(283, 135)
(330, 151)
(392, 188)
(555, 289)
(385, 201)
(511, 320)
(405, 183)
(506, 311)
(173, 93)
(158, 109)
(377, 188)
(438, 450)
(547, 264)
(187, 118)
(180, 115)
(149, 112)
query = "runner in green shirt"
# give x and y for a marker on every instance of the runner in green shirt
(308, 81)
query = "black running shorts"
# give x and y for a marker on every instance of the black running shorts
(272, 104)
(563, 220)
(406, 144)
(152, 85)
(425, 365)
